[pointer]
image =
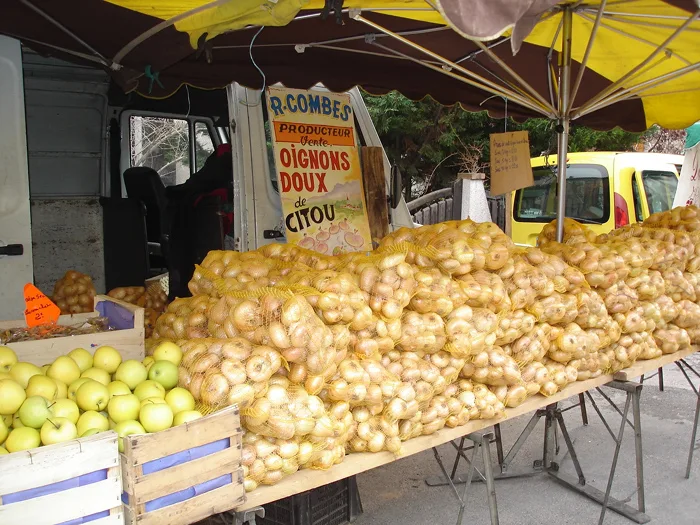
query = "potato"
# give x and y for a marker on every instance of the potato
(74, 293)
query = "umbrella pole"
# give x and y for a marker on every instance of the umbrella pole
(562, 149)
(564, 118)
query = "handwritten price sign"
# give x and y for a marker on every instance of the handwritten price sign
(510, 162)
(39, 309)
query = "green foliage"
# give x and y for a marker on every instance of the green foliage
(428, 140)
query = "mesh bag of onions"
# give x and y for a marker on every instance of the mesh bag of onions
(442, 324)
(74, 293)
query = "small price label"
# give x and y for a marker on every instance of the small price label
(39, 309)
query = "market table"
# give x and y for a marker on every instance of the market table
(356, 463)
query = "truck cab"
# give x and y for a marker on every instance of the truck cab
(70, 136)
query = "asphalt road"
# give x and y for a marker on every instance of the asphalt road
(396, 494)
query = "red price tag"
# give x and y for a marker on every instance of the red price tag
(39, 309)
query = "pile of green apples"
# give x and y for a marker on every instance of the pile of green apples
(81, 394)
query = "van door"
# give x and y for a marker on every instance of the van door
(657, 188)
(15, 220)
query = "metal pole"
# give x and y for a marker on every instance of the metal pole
(638, 454)
(479, 81)
(692, 439)
(564, 118)
(586, 54)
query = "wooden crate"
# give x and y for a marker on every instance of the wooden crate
(129, 342)
(63, 464)
(143, 486)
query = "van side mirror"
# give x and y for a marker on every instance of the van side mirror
(396, 187)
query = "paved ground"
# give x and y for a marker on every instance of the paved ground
(396, 494)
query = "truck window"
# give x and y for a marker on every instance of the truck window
(660, 187)
(162, 144)
(637, 200)
(203, 145)
(587, 195)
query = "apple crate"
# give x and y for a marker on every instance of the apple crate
(79, 481)
(184, 474)
(127, 335)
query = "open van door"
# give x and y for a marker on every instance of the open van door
(657, 188)
(15, 219)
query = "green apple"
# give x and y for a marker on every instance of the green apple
(3, 451)
(45, 368)
(82, 357)
(75, 385)
(65, 408)
(91, 419)
(156, 416)
(8, 419)
(64, 369)
(107, 358)
(61, 389)
(165, 372)
(112, 424)
(149, 388)
(34, 411)
(92, 396)
(97, 374)
(5, 375)
(90, 432)
(148, 362)
(168, 351)
(131, 372)
(124, 407)
(42, 386)
(7, 358)
(21, 372)
(153, 400)
(58, 430)
(186, 416)
(4, 431)
(117, 388)
(12, 396)
(180, 399)
(127, 428)
(22, 438)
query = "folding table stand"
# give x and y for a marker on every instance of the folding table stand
(552, 456)
(481, 441)
(685, 368)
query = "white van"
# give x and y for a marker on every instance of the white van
(68, 136)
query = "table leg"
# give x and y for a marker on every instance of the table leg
(584, 412)
(490, 486)
(616, 455)
(637, 418)
(693, 438)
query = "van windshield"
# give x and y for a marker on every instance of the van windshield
(587, 195)
(660, 187)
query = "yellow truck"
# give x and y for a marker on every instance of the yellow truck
(604, 190)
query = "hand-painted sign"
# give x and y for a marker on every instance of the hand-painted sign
(39, 308)
(318, 170)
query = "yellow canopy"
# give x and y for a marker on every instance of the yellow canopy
(628, 33)
(627, 39)
(230, 15)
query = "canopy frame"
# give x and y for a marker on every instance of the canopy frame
(564, 112)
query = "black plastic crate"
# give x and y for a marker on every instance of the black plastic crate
(333, 504)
